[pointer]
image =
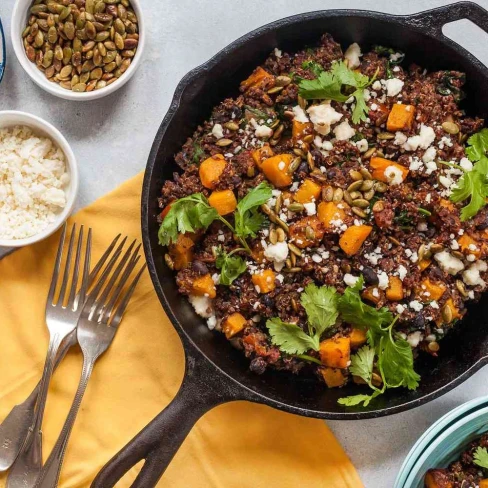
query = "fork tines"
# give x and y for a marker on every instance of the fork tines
(112, 289)
(76, 296)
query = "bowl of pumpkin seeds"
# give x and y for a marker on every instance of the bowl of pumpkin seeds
(78, 49)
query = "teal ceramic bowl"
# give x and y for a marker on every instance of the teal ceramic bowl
(3, 52)
(433, 432)
(448, 445)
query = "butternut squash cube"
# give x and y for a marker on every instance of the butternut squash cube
(401, 117)
(469, 245)
(329, 212)
(181, 252)
(353, 238)
(373, 294)
(276, 169)
(258, 77)
(307, 232)
(357, 338)
(211, 170)
(336, 352)
(394, 292)
(233, 324)
(483, 483)
(300, 130)
(262, 153)
(380, 165)
(309, 191)
(223, 201)
(204, 286)
(333, 377)
(437, 478)
(264, 281)
(431, 290)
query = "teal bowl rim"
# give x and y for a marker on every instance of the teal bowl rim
(436, 428)
(462, 422)
(3, 63)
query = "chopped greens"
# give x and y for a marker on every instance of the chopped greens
(198, 153)
(480, 457)
(290, 338)
(248, 220)
(330, 85)
(231, 267)
(473, 185)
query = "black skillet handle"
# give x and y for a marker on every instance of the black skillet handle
(433, 20)
(203, 388)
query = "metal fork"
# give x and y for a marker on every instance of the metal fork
(97, 327)
(61, 320)
(15, 428)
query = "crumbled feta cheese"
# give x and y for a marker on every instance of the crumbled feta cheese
(383, 280)
(212, 322)
(310, 208)
(316, 258)
(327, 145)
(202, 305)
(423, 140)
(415, 164)
(400, 308)
(472, 275)
(362, 145)
(454, 245)
(400, 138)
(218, 131)
(323, 116)
(344, 131)
(263, 131)
(416, 305)
(466, 164)
(352, 54)
(394, 175)
(434, 304)
(414, 338)
(281, 165)
(402, 272)
(277, 52)
(376, 85)
(300, 115)
(431, 166)
(393, 87)
(277, 252)
(449, 263)
(350, 280)
(429, 154)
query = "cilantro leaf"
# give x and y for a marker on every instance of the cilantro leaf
(313, 66)
(354, 311)
(186, 215)
(362, 363)
(321, 307)
(248, 220)
(473, 185)
(395, 361)
(352, 401)
(231, 267)
(480, 457)
(330, 85)
(290, 338)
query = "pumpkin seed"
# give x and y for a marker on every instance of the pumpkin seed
(435, 248)
(288, 263)
(231, 126)
(79, 87)
(65, 73)
(294, 166)
(446, 313)
(302, 102)
(310, 161)
(279, 202)
(458, 254)
(347, 197)
(424, 252)
(293, 260)
(461, 288)
(48, 59)
(294, 305)
(296, 207)
(368, 195)
(450, 127)
(355, 186)
(433, 346)
(379, 206)
(224, 142)
(355, 195)
(281, 234)
(277, 133)
(299, 152)
(367, 185)
(394, 241)
(271, 91)
(359, 212)
(273, 236)
(292, 270)
(328, 193)
(283, 80)
(361, 203)
(355, 175)
(52, 35)
(380, 187)
(308, 138)
(369, 152)
(366, 174)
(338, 195)
(39, 39)
(346, 268)
(119, 41)
(385, 136)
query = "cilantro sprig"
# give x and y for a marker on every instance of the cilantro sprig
(473, 185)
(188, 214)
(480, 457)
(331, 85)
(321, 307)
(394, 354)
(231, 267)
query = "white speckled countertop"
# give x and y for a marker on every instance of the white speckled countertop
(112, 138)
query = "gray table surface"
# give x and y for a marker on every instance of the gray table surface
(112, 138)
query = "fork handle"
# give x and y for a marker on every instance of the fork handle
(50, 472)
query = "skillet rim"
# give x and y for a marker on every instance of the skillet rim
(244, 392)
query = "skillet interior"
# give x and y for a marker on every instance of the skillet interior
(206, 86)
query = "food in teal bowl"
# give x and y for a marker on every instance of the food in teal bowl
(448, 447)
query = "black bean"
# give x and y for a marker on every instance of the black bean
(370, 276)
(258, 365)
(200, 267)
(418, 322)
(303, 168)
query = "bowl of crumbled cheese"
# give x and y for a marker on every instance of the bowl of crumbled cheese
(38, 179)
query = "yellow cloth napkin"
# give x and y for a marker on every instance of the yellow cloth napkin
(235, 445)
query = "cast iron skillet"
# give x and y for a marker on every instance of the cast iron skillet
(215, 372)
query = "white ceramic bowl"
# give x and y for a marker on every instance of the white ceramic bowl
(41, 127)
(19, 21)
